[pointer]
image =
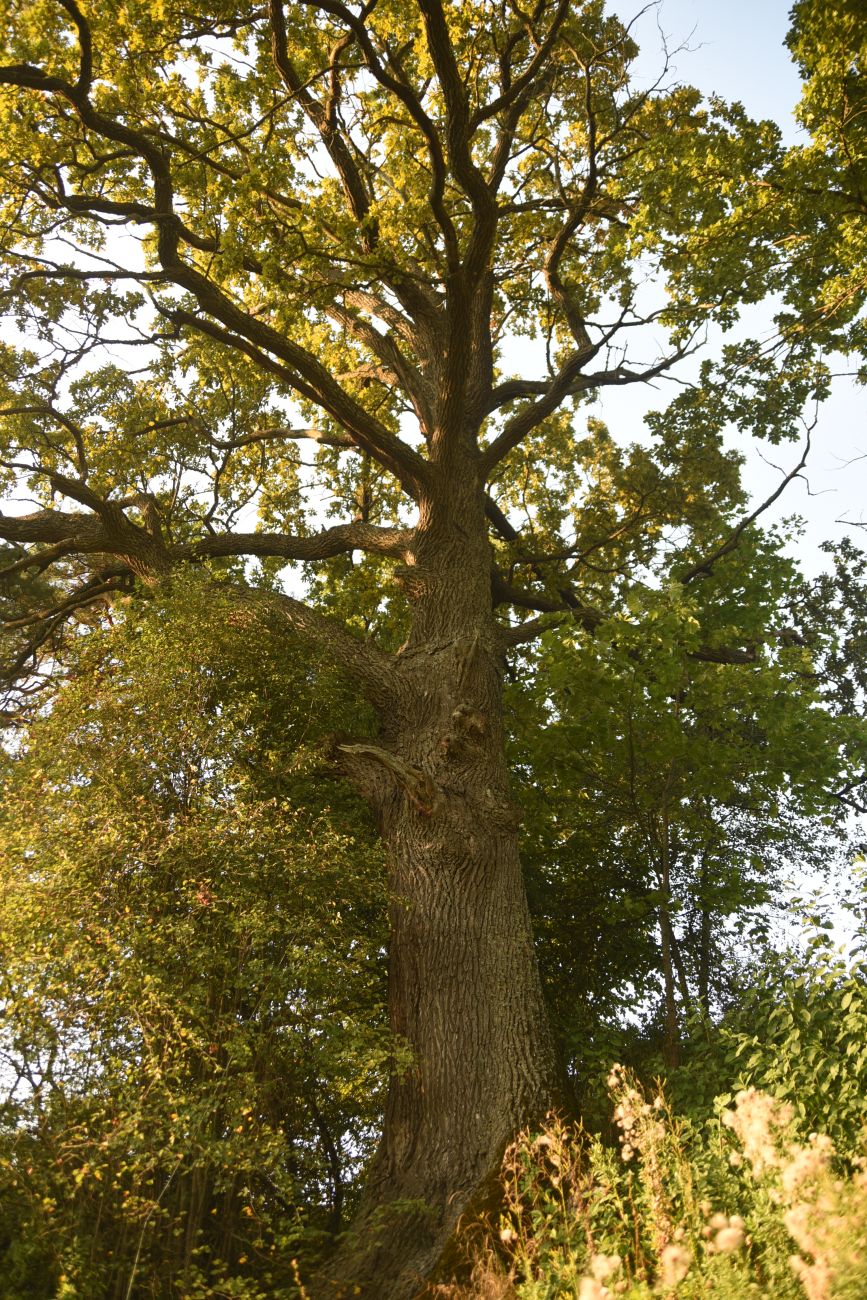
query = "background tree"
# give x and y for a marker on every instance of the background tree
(668, 802)
(822, 185)
(327, 227)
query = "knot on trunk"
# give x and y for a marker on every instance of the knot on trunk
(421, 789)
(468, 727)
(501, 812)
(469, 721)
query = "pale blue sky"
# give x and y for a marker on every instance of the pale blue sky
(735, 49)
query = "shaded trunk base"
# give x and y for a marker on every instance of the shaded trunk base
(402, 1248)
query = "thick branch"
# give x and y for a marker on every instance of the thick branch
(256, 340)
(589, 619)
(67, 533)
(350, 176)
(522, 87)
(504, 593)
(386, 349)
(457, 115)
(421, 789)
(571, 610)
(280, 434)
(577, 215)
(38, 560)
(409, 294)
(85, 46)
(370, 667)
(85, 534)
(340, 540)
(54, 528)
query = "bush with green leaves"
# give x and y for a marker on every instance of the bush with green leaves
(666, 799)
(192, 1033)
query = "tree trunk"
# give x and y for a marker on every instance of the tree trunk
(704, 940)
(671, 1045)
(464, 989)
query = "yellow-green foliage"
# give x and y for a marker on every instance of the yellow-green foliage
(192, 1041)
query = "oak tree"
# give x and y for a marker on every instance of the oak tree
(328, 285)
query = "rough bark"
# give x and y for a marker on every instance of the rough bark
(464, 989)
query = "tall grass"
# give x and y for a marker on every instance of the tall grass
(738, 1206)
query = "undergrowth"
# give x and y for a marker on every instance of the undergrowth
(739, 1206)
